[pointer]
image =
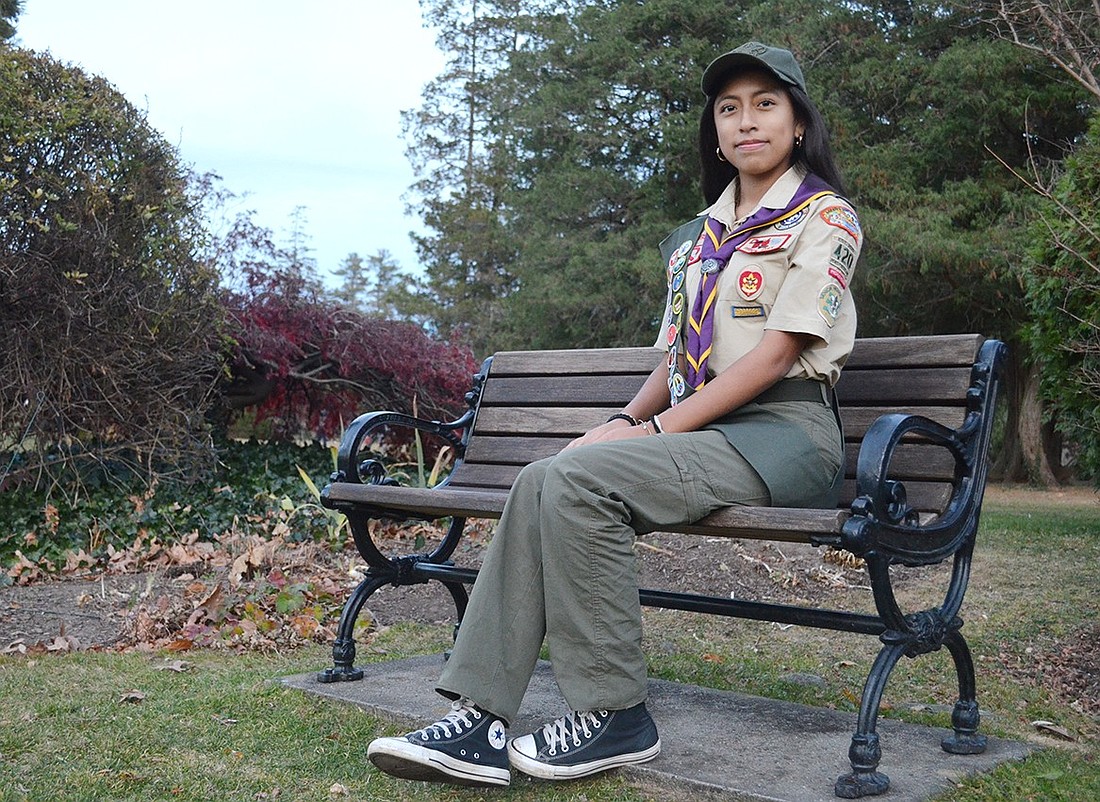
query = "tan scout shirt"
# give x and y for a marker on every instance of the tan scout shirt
(793, 276)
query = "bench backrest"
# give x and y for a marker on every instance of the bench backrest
(534, 402)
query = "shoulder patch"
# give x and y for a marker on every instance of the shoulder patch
(842, 260)
(844, 218)
(828, 303)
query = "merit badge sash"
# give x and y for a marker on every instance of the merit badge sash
(714, 248)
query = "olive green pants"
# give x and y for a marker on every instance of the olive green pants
(561, 566)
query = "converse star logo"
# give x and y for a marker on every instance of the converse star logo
(496, 735)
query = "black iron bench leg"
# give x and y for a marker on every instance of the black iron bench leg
(865, 752)
(461, 599)
(965, 717)
(343, 648)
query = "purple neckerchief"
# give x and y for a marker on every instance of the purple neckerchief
(715, 255)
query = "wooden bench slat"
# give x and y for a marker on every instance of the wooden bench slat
(549, 421)
(926, 496)
(438, 502)
(904, 386)
(908, 386)
(936, 350)
(771, 522)
(581, 390)
(774, 523)
(857, 420)
(594, 361)
(569, 422)
(911, 460)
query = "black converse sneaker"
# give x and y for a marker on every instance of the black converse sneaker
(465, 747)
(587, 742)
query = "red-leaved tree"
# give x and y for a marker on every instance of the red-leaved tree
(307, 364)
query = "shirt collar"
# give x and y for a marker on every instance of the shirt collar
(778, 196)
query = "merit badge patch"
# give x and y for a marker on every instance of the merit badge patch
(750, 284)
(770, 244)
(842, 217)
(695, 253)
(748, 311)
(679, 257)
(828, 303)
(790, 222)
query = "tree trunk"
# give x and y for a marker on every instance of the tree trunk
(1030, 449)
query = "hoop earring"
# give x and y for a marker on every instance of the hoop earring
(718, 151)
(798, 141)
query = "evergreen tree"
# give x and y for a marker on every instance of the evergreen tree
(383, 290)
(355, 281)
(9, 12)
(462, 245)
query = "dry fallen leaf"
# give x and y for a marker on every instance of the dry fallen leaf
(63, 643)
(1053, 729)
(212, 605)
(178, 666)
(132, 696)
(338, 790)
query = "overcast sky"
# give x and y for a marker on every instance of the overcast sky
(292, 103)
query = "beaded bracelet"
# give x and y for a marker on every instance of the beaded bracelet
(624, 416)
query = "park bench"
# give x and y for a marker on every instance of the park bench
(917, 414)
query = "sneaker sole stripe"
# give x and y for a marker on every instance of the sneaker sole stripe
(547, 771)
(402, 759)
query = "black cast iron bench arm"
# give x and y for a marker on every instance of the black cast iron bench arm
(455, 433)
(882, 521)
(349, 468)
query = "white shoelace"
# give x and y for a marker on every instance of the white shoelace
(566, 730)
(459, 718)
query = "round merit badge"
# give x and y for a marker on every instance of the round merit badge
(670, 335)
(678, 385)
(750, 284)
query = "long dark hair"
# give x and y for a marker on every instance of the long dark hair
(815, 155)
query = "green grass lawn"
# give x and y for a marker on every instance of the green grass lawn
(73, 728)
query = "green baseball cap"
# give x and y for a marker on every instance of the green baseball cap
(779, 62)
